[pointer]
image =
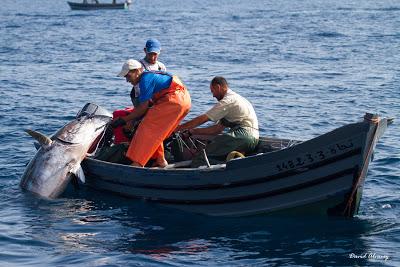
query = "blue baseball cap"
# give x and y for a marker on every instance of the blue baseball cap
(153, 46)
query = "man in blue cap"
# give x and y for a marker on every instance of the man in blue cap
(150, 62)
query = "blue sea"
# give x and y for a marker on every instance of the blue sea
(307, 66)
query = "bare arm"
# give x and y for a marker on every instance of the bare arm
(193, 123)
(212, 130)
(138, 112)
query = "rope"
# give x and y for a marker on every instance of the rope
(178, 137)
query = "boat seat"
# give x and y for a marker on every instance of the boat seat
(186, 163)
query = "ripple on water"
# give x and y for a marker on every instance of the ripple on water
(308, 67)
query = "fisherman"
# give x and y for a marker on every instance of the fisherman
(232, 111)
(171, 103)
(150, 61)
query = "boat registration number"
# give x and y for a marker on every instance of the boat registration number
(316, 156)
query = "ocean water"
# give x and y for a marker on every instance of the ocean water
(307, 66)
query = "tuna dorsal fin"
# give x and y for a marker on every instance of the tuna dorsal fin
(41, 138)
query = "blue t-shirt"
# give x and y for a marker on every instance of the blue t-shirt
(151, 83)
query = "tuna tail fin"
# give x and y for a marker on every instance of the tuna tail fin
(41, 138)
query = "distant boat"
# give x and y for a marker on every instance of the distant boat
(96, 5)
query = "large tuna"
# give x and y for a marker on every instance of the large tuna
(58, 157)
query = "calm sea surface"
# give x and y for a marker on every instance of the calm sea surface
(307, 66)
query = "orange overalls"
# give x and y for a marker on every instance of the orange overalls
(170, 106)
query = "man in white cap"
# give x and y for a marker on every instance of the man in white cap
(150, 61)
(171, 103)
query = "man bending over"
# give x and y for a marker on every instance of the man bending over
(232, 111)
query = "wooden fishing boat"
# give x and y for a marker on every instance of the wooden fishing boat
(324, 175)
(96, 5)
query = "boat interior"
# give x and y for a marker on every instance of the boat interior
(180, 149)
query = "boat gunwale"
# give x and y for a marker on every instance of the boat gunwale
(231, 165)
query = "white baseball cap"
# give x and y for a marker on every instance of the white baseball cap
(130, 64)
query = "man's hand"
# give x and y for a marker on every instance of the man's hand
(118, 122)
(186, 133)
